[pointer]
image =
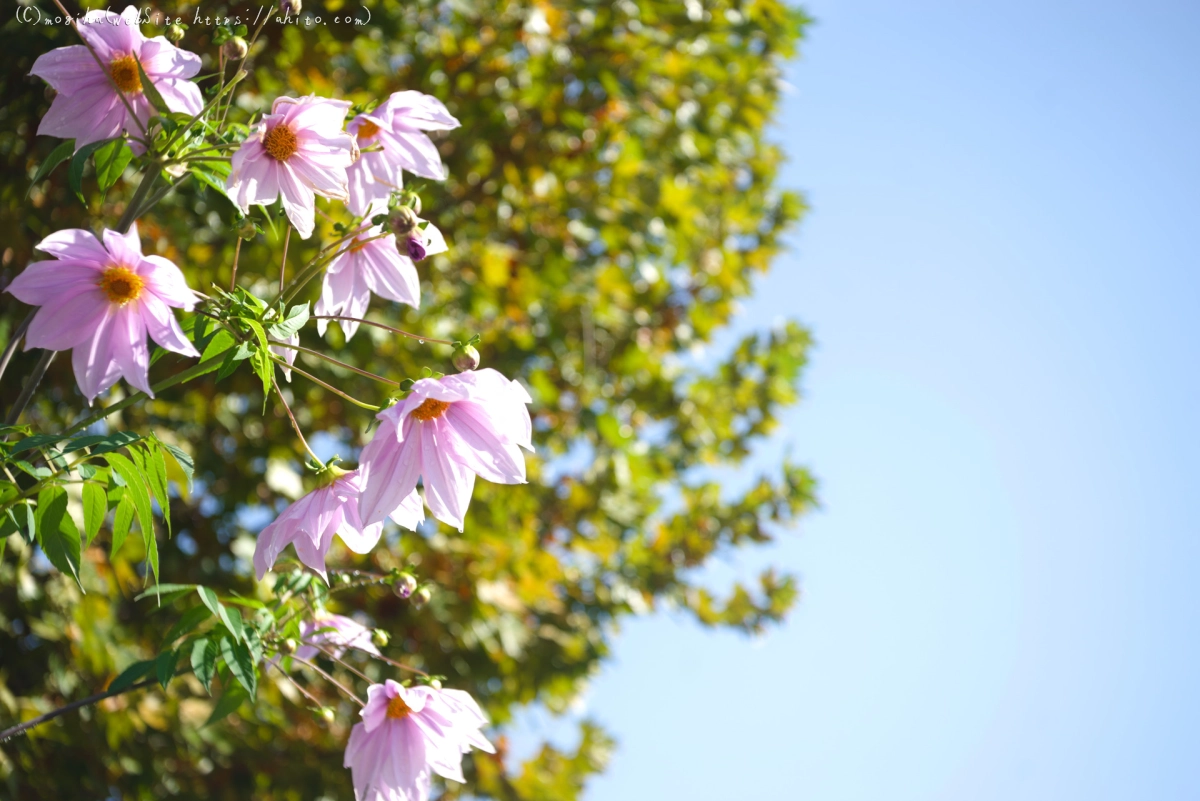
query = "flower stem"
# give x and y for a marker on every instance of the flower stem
(319, 382)
(292, 417)
(14, 340)
(132, 211)
(332, 360)
(237, 251)
(349, 693)
(31, 385)
(287, 237)
(361, 321)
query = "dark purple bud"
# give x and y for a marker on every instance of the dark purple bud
(404, 585)
(416, 247)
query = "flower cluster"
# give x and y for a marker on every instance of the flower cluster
(101, 297)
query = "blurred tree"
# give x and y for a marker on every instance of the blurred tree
(611, 196)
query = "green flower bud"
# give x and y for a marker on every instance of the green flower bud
(175, 33)
(465, 358)
(288, 646)
(404, 585)
(381, 638)
(422, 596)
(403, 221)
(235, 49)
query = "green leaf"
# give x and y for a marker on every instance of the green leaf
(187, 623)
(56, 157)
(136, 485)
(164, 667)
(154, 468)
(296, 318)
(226, 616)
(75, 171)
(151, 92)
(158, 589)
(183, 460)
(221, 342)
(241, 664)
(204, 661)
(95, 507)
(56, 531)
(36, 472)
(230, 700)
(122, 519)
(102, 443)
(131, 675)
(36, 441)
(24, 519)
(111, 161)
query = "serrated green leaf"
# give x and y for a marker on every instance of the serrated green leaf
(56, 157)
(187, 623)
(204, 661)
(122, 519)
(95, 507)
(102, 443)
(241, 664)
(154, 468)
(56, 531)
(111, 161)
(230, 617)
(158, 589)
(230, 700)
(131, 675)
(182, 459)
(221, 342)
(36, 472)
(140, 493)
(36, 441)
(151, 92)
(164, 667)
(296, 318)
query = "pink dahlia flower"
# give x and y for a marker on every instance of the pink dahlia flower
(334, 634)
(100, 299)
(296, 152)
(88, 108)
(447, 431)
(372, 265)
(406, 735)
(287, 354)
(396, 129)
(310, 524)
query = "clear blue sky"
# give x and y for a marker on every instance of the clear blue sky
(1000, 594)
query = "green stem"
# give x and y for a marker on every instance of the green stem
(283, 363)
(133, 210)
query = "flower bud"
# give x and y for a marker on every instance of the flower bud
(288, 646)
(290, 6)
(403, 221)
(435, 684)
(247, 229)
(416, 246)
(422, 596)
(404, 585)
(327, 714)
(465, 358)
(175, 33)
(381, 638)
(235, 49)
(345, 578)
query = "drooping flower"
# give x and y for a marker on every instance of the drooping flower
(447, 431)
(287, 354)
(407, 734)
(396, 128)
(100, 299)
(88, 108)
(310, 523)
(296, 152)
(334, 634)
(371, 265)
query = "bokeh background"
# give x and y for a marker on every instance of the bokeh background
(1000, 271)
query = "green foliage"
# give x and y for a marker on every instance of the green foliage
(610, 199)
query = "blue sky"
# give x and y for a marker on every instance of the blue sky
(1000, 269)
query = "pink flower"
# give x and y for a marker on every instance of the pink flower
(372, 265)
(310, 524)
(88, 108)
(446, 432)
(100, 299)
(298, 151)
(406, 735)
(287, 354)
(334, 633)
(395, 127)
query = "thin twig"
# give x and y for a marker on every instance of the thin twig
(332, 360)
(381, 325)
(31, 385)
(343, 662)
(14, 340)
(319, 382)
(349, 693)
(297, 685)
(287, 237)
(9, 733)
(237, 251)
(292, 417)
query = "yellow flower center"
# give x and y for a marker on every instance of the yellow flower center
(367, 130)
(121, 284)
(280, 143)
(124, 72)
(397, 708)
(430, 410)
(357, 245)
